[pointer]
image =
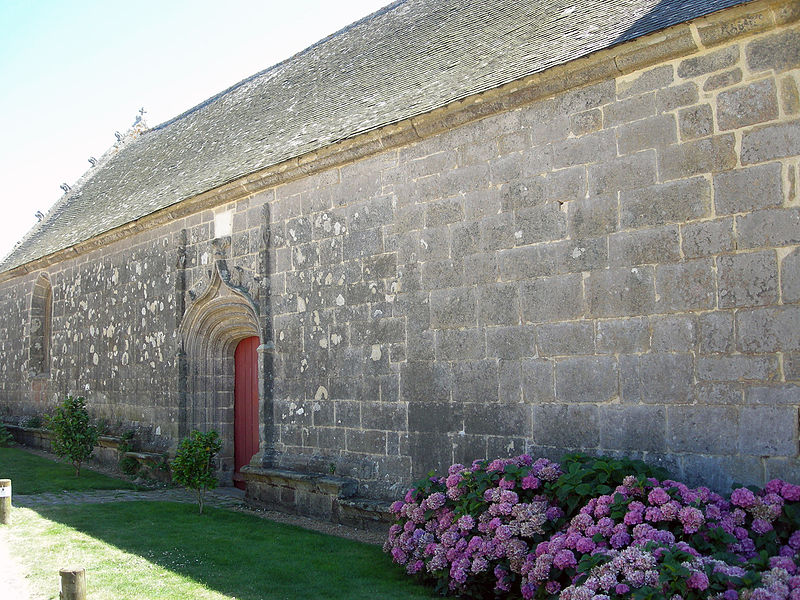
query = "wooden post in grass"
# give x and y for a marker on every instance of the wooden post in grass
(73, 584)
(5, 501)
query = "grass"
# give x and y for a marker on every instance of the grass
(32, 474)
(163, 550)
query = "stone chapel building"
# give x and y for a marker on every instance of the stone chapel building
(452, 230)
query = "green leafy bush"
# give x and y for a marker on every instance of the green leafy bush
(193, 467)
(127, 464)
(6, 439)
(32, 422)
(73, 437)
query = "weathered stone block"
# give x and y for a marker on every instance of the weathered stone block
(552, 298)
(737, 367)
(687, 285)
(652, 132)
(623, 335)
(593, 217)
(768, 431)
(637, 428)
(475, 381)
(438, 274)
(498, 304)
(455, 307)
(460, 344)
(696, 122)
(708, 63)
(660, 77)
(703, 429)
(674, 333)
(621, 292)
(674, 97)
(791, 366)
(586, 122)
(770, 142)
(644, 247)
(523, 193)
(716, 392)
(566, 184)
(590, 148)
(779, 51)
(773, 395)
(425, 381)
(712, 154)
(566, 425)
(385, 416)
(497, 232)
(480, 268)
(527, 262)
(773, 329)
(715, 332)
(747, 189)
(625, 173)
(429, 451)
(790, 96)
(630, 109)
(510, 343)
(707, 237)
(747, 279)
(497, 419)
(443, 212)
(439, 417)
(737, 25)
(538, 380)
(665, 378)
(747, 105)
(580, 255)
(672, 202)
(587, 379)
(559, 339)
(769, 228)
(790, 276)
(509, 379)
(724, 79)
(540, 224)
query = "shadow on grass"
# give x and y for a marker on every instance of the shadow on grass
(241, 555)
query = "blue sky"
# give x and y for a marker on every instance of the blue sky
(74, 72)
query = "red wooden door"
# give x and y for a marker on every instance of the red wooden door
(245, 406)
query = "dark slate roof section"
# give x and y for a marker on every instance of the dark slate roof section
(407, 59)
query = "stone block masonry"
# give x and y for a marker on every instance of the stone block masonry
(612, 268)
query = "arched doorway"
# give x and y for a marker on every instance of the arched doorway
(245, 406)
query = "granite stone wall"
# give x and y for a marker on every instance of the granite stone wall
(613, 268)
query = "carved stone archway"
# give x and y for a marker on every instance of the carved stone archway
(210, 330)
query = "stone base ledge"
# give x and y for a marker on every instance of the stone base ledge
(309, 494)
(362, 513)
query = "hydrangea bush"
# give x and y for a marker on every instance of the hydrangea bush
(596, 529)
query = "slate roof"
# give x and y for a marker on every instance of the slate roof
(404, 60)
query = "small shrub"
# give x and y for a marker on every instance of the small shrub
(6, 439)
(127, 464)
(193, 467)
(32, 422)
(512, 528)
(73, 437)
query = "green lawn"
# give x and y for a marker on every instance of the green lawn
(32, 474)
(163, 550)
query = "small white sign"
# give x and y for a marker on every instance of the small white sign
(223, 223)
(5, 492)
